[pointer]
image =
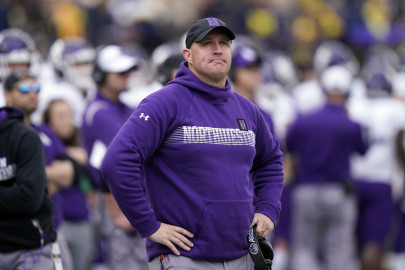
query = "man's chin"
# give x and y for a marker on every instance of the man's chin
(220, 68)
(30, 111)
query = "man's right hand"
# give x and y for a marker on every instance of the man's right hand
(172, 236)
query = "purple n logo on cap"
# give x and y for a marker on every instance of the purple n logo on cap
(201, 28)
(212, 21)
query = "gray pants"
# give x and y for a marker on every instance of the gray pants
(65, 254)
(184, 263)
(122, 251)
(35, 259)
(323, 226)
(126, 252)
(80, 241)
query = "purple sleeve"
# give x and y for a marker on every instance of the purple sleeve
(123, 162)
(268, 176)
(105, 126)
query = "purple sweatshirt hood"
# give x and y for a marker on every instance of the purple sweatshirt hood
(185, 77)
(8, 112)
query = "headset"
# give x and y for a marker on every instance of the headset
(98, 75)
(260, 250)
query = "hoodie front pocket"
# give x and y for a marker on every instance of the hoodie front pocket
(223, 228)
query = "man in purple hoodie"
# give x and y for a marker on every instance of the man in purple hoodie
(180, 168)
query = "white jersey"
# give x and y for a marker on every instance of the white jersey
(137, 93)
(275, 100)
(382, 118)
(2, 97)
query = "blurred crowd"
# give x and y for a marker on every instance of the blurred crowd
(282, 52)
(294, 26)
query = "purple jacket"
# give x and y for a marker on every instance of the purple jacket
(53, 148)
(103, 118)
(197, 145)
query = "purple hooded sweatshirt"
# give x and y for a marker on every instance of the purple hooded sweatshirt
(199, 147)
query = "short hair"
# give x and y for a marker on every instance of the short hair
(16, 76)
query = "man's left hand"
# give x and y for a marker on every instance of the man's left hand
(264, 225)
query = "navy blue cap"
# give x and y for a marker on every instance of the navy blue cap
(200, 29)
(15, 77)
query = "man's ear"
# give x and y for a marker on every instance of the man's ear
(187, 55)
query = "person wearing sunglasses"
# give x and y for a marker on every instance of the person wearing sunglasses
(21, 92)
(103, 117)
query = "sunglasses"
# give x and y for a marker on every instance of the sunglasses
(26, 88)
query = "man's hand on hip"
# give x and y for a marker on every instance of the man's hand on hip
(172, 236)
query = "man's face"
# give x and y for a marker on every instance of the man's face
(118, 82)
(23, 96)
(248, 78)
(210, 59)
(61, 119)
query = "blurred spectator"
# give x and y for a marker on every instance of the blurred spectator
(309, 95)
(67, 76)
(246, 76)
(397, 235)
(322, 143)
(168, 69)
(274, 95)
(72, 59)
(383, 118)
(142, 81)
(21, 91)
(17, 51)
(76, 226)
(103, 117)
(27, 230)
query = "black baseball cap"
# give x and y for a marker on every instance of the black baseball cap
(200, 29)
(16, 76)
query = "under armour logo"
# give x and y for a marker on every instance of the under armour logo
(212, 21)
(146, 117)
